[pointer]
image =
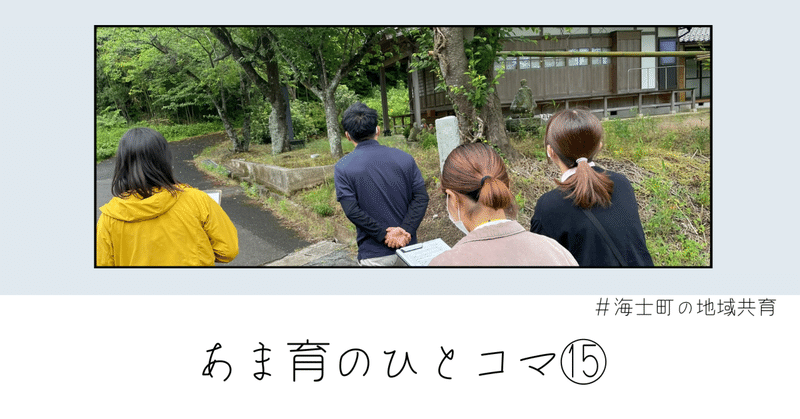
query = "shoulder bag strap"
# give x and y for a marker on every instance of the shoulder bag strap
(606, 237)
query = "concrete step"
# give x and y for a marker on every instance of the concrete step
(325, 253)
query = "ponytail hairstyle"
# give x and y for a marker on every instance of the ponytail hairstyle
(143, 164)
(574, 134)
(478, 172)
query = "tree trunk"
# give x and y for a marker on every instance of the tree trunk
(244, 84)
(449, 52)
(278, 128)
(332, 123)
(270, 88)
(226, 123)
(495, 124)
(474, 124)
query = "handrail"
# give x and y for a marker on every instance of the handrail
(640, 94)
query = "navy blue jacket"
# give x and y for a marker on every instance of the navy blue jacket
(558, 218)
(380, 187)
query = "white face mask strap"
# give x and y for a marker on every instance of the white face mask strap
(459, 224)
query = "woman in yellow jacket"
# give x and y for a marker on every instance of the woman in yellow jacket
(155, 221)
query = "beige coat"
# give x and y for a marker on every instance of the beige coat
(505, 244)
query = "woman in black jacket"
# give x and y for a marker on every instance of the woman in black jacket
(593, 212)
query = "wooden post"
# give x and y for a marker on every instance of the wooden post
(384, 103)
(672, 101)
(417, 113)
(639, 111)
(410, 84)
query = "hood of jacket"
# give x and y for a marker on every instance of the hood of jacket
(133, 208)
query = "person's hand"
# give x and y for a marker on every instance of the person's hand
(397, 237)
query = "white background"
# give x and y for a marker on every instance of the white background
(137, 346)
(125, 356)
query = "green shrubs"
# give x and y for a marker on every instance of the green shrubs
(406, 131)
(250, 189)
(397, 99)
(428, 140)
(259, 124)
(109, 118)
(308, 119)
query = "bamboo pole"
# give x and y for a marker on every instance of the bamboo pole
(690, 54)
(700, 55)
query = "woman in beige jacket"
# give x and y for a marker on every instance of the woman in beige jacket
(480, 204)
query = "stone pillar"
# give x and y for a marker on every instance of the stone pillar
(447, 137)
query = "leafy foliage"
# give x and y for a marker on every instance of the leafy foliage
(259, 123)
(428, 140)
(110, 118)
(308, 119)
(396, 98)
(320, 57)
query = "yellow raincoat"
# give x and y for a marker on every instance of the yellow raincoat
(188, 229)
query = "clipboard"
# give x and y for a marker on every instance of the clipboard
(215, 194)
(420, 254)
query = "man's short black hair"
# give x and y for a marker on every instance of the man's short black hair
(360, 121)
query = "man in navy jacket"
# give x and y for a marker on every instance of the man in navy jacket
(380, 188)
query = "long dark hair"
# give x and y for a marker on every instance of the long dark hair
(572, 134)
(477, 171)
(143, 164)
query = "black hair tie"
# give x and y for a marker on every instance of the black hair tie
(483, 180)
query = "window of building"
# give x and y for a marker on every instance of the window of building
(667, 66)
(667, 44)
(511, 63)
(554, 62)
(601, 60)
(578, 61)
(527, 63)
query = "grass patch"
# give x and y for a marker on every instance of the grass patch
(250, 189)
(666, 158)
(321, 200)
(107, 137)
(300, 157)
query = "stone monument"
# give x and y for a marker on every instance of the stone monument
(446, 137)
(522, 109)
(523, 101)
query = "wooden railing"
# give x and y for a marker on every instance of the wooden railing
(637, 95)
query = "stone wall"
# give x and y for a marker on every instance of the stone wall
(280, 179)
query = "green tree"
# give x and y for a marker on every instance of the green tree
(173, 68)
(320, 57)
(255, 54)
(464, 59)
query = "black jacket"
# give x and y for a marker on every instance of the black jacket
(558, 218)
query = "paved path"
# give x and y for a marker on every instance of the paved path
(262, 239)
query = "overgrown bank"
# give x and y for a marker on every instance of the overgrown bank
(110, 127)
(667, 159)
